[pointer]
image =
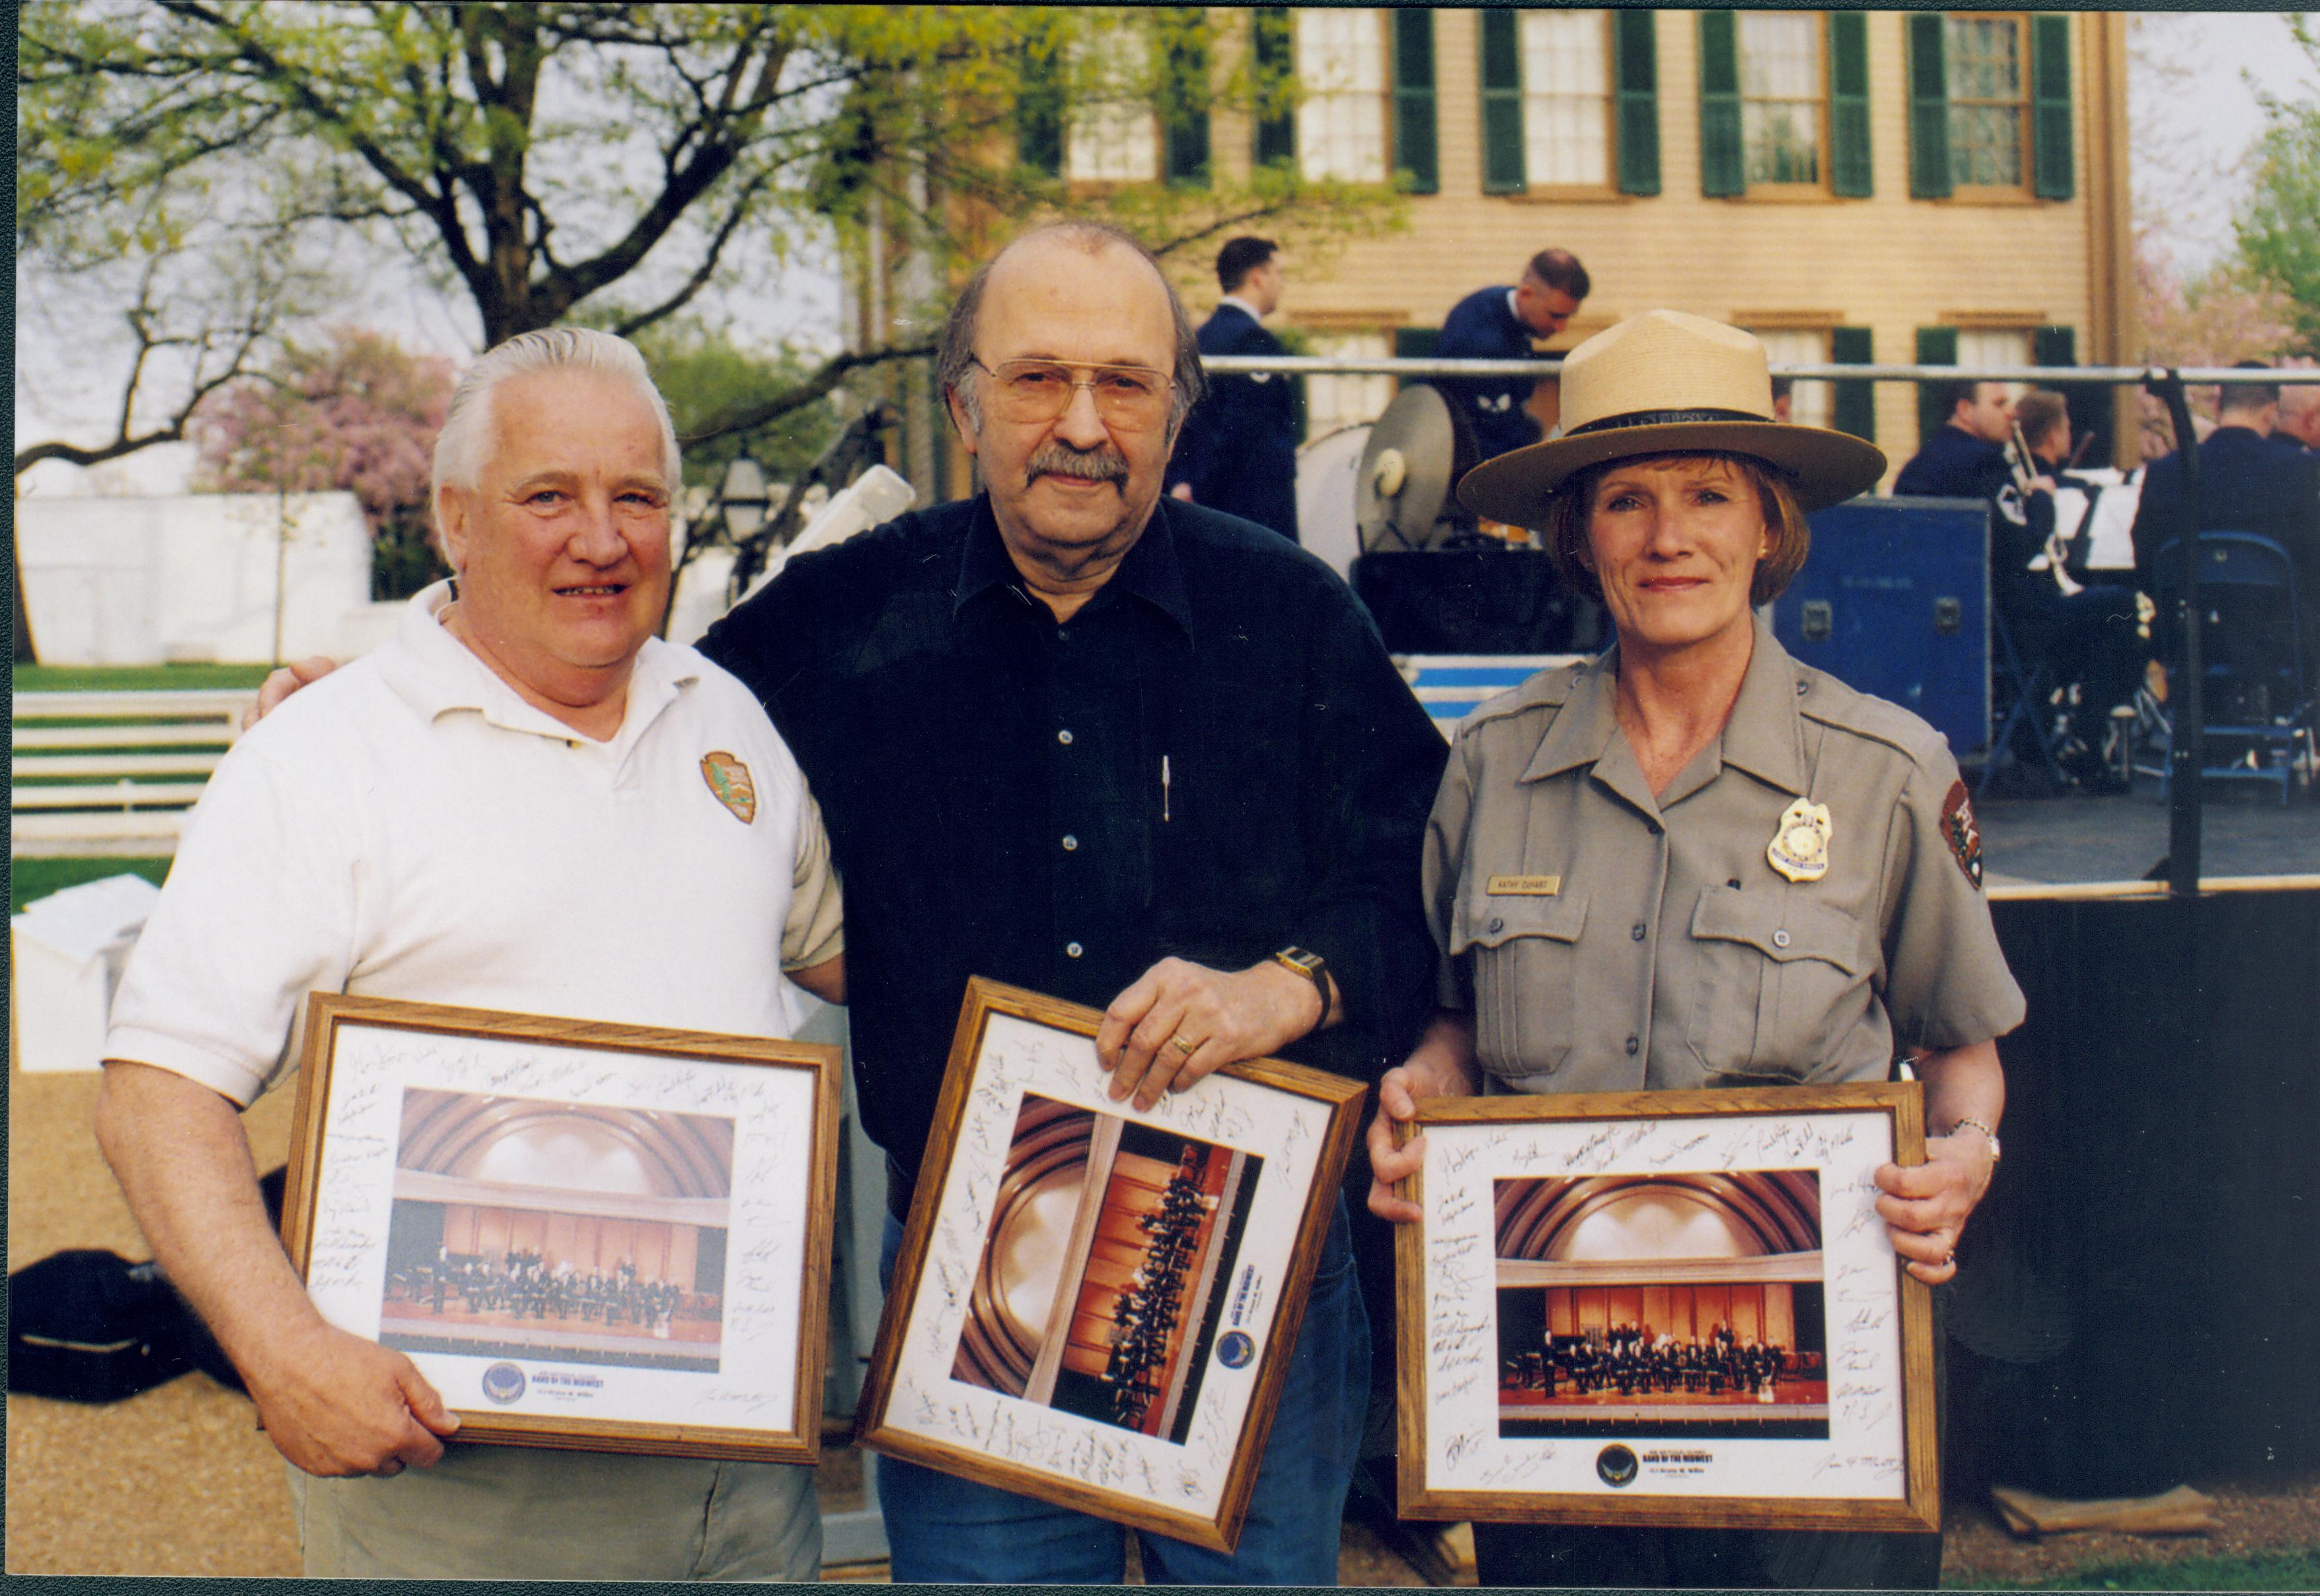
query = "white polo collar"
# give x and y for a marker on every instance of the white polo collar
(436, 674)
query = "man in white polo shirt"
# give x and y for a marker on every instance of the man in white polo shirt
(524, 800)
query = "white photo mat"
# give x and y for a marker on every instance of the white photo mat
(1018, 1056)
(774, 1120)
(1864, 1455)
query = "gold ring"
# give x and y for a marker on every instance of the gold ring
(1186, 1047)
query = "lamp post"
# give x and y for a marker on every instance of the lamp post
(743, 501)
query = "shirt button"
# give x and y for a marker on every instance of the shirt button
(1638, 932)
(1633, 1045)
(1073, 950)
(1497, 925)
(1779, 939)
(1070, 843)
(1064, 736)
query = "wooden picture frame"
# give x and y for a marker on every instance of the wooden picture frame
(1088, 1293)
(1664, 1308)
(600, 1237)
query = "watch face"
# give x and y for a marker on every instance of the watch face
(1308, 962)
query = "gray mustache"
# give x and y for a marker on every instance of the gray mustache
(1058, 458)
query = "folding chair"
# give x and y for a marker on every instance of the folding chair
(2025, 695)
(2254, 686)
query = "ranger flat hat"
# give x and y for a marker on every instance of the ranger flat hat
(1668, 382)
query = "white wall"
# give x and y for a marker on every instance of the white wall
(132, 581)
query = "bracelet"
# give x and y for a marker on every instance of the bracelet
(1987, 1134)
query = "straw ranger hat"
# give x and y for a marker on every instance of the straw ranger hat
(1667, 383)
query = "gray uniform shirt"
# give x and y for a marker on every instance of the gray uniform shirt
(1608, 940)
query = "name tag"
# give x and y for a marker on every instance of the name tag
(1526, 886)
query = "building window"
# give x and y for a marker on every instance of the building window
(1989, 101)
(1341, 122)
(1987, 346)
(1808, 402)
(1113, 135)
(1566, 80)
(1334, 399)
(1569, 101)
(1143, 113)
(1989, 104)
(1781, 104)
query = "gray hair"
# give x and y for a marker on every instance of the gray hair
(465, 444)
(955, 356)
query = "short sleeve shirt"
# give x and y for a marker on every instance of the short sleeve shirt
(1605, 939)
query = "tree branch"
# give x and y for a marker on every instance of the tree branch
(825, 376)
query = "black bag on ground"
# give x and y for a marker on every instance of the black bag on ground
(89, 1326)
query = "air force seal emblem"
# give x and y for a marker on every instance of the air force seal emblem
(729, 778)
(1960, 832)
(1800, 845)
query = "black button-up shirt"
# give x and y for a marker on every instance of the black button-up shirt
(1214, 758)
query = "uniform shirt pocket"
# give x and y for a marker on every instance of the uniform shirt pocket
(1781, 978)
(1525, 957)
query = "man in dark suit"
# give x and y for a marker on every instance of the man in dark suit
(2087, 633)
(1238, 450)
(2248, 483)
(1502, 324)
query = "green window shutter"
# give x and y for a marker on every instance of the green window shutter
(1936, 346)
(1416, 148)
(1502, 105)
(1415, 343)
(1849, 170)
(1274, 40)
(1039, 113)
(1184, 101)
(1636, 75)
(1722, 168)
(2050, 107)
(1853, 405)
(1929, 108)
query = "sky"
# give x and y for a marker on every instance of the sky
(2191, 96)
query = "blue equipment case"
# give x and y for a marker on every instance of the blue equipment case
(1894, 600)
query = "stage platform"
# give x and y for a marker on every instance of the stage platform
(2027, 843)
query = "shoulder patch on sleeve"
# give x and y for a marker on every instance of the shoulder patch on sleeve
(1959, 831)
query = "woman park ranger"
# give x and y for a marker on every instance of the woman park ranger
(1695, 862)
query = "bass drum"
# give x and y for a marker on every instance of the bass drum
(1327, 467)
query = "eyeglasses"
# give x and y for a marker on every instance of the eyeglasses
(1128, 397)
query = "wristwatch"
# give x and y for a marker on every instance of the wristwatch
(1987, 1134)
(1309, 966)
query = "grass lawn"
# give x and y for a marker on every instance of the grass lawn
(32, 879)
(50, 679)
(2255, 1571)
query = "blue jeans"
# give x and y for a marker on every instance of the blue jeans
(944, 1529)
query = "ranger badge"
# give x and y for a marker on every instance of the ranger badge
(1800, 845)
(1960, 832)
(729, 778)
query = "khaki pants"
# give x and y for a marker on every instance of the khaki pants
(530, 1513)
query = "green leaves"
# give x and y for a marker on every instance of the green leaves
(2278, 227)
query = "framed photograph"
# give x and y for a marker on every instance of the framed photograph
(593, 1236)
(1095, 1305)
(1666, 1308)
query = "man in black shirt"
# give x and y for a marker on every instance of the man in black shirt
(1120, 749)
(2086, 632)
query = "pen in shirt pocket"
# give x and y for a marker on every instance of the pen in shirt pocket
(1164, 790)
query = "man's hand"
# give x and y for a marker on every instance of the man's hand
(1179, 1020)
(280, 684)
(334, 1404)
(1440, 1066)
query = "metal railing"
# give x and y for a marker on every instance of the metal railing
(2187, 749)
